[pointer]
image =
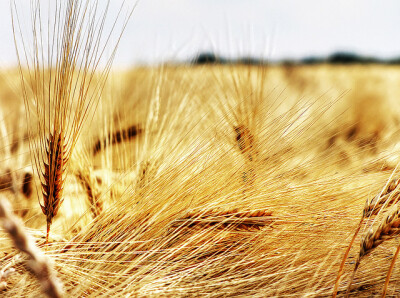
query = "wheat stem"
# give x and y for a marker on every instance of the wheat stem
(352, 277)
(390, 271)
(346, 254)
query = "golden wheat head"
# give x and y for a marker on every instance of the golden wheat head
(62, 80)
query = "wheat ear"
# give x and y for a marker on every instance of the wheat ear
(37, 262)
(248, 220)
(53, 178)
(387, 229)
(118, 137)
(245, 141)
(62, 83)
(388, 196)
(85, 179)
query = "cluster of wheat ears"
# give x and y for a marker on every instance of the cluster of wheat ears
(230, 202)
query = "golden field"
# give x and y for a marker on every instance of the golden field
(213, 181)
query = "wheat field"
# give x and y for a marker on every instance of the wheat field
(201, 180)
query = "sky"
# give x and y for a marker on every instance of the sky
(176, 30)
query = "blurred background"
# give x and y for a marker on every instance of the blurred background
(179, 30)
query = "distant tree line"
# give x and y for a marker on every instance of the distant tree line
(335, 58)
(211, 58)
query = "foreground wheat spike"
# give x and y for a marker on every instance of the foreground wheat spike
(53, 178)
(389, 195)
(386, 230)
(38, 263)
(62, 81)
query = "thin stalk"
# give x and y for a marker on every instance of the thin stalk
(346, 254)
(390, 272)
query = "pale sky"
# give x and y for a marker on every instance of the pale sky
(178, 29)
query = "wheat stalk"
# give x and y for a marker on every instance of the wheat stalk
(390, 271)
(62, 84)
(38, 263)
